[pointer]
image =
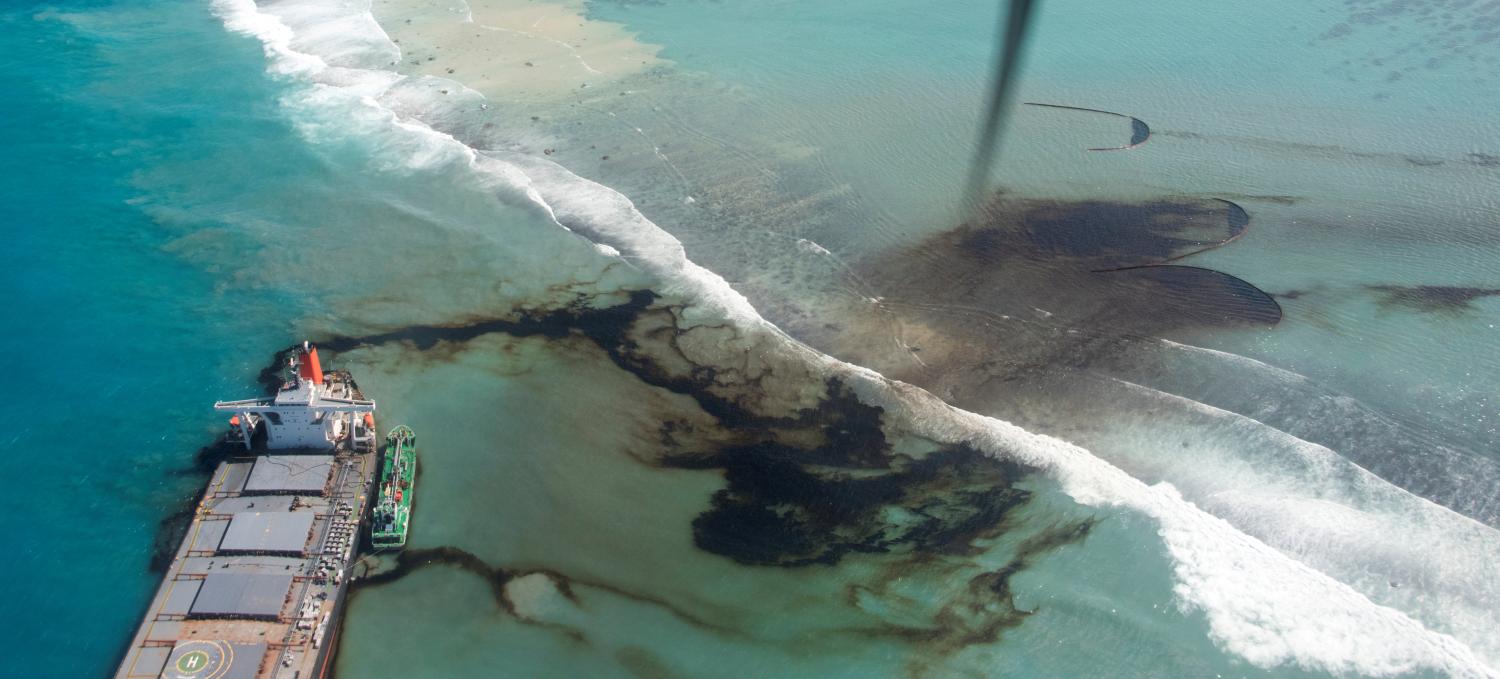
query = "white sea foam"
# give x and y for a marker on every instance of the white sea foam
(1455, 477)
(1319, 507)
(340, 33)
(1282, 373)
(810, 246)
(1260, 604)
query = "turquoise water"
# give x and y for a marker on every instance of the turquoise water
(165, 240)
(674, 486)
(114, 344)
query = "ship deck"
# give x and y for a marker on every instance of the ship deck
(257, 586)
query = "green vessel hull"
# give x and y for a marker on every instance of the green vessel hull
(391, 516)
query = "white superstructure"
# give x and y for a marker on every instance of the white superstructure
(308, 412)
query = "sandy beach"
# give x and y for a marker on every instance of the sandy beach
(512, 49)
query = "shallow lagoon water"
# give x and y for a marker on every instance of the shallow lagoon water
(595, 570)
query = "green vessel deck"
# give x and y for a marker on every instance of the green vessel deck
(391, 515)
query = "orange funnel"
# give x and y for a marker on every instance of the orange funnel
(311, 369)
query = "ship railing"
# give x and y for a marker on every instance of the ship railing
(243, 403)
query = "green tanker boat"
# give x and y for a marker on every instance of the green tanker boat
(392, 512)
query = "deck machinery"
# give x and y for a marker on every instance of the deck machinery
(257, 587)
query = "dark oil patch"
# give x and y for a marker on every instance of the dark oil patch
(1032, 291)
(411, 560)
(1204, 296)
(984, 609)
(1102, 234)
(1100, 264)
(807, 489)
(497, 577)
(1236, 222)
(608, 327)
(788, 507)
(1432, 298)
(1484, 159)
(990, 606)
(1323, 150)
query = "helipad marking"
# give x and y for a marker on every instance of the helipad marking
(192, 662)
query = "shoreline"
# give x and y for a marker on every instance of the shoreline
(510, 50)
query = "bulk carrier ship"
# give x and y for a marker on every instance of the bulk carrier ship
(258, 585)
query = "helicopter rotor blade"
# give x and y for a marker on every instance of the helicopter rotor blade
(1013, 28)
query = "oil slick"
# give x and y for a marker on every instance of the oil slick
(813, 480)
(1103, 271)
(1432, 299)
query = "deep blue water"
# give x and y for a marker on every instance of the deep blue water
(113, 346)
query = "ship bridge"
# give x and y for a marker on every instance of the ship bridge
(310, 411)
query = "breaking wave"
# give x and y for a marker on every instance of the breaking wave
(1260, 603)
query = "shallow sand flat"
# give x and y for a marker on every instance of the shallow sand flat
(512, 49)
